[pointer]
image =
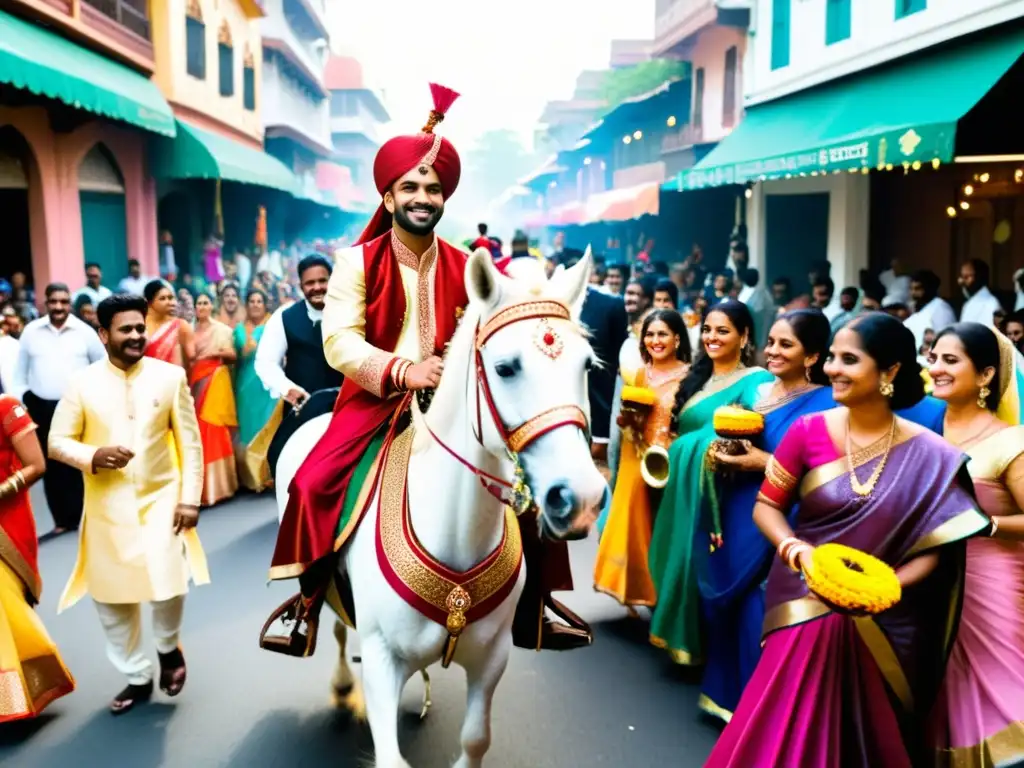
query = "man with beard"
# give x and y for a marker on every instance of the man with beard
(981, 305)
(138, 544)
(381, 333)
(290, 358)
(54, 349)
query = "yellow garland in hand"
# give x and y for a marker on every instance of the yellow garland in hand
(731, 421)
(852, 580)
(639, 395)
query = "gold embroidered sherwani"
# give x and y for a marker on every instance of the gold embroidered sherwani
(128, 551)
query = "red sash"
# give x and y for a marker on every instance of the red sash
(316, 495)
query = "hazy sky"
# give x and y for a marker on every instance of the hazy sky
(507, 59)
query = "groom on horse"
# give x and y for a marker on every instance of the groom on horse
(393, 304)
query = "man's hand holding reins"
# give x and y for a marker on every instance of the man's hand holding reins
(425, 375)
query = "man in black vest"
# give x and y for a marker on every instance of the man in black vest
(290, 358)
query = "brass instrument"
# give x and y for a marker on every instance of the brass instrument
(654, 466)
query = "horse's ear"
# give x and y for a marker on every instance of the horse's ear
(482, 279)
(570, 285)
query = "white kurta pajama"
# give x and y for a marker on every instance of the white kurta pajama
(128, 552)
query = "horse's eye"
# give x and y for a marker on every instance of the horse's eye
(505, 370)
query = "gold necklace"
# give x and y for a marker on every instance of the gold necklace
(865, 489)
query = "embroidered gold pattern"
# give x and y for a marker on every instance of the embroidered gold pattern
(425, 301)
(12, 695)
(778, 476)
(525, 434)
(406, 557)
(370, 375)
(435, 148)
(403, 253)
(525, 310)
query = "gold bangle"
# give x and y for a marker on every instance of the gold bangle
(995, 527)
(785, 544)
(20, 480)
(794, 555)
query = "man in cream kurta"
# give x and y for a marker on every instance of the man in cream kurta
(129, 424)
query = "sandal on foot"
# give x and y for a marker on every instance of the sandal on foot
(172, 672)
(130, 696)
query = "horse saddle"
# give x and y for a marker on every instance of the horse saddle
(317, 404)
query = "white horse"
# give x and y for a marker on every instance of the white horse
(533, 367)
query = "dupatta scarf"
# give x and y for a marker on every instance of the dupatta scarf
(921, 503)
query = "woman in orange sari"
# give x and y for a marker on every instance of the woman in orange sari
(32, 673)
(168, 337)
(210, 379)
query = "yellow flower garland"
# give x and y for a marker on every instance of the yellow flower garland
(638, 395)
(852, 580)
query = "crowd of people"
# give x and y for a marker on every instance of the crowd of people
(713, 541)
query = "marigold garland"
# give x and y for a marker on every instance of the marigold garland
(852, 580)
(639, 395)
(731, 421)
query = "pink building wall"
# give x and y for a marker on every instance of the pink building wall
(55, 217)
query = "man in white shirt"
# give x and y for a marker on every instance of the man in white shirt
(93, 287)
(760, 304)
(135, 283)
(931, 311)
(53, 349)
(290, 359)
(981, 305)
(896, 283)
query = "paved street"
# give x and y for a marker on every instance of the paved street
(619, 703)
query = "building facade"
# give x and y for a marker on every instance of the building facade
(843, 98)
(74, 179)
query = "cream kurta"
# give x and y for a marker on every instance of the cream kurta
(128, 551)
(344, 323)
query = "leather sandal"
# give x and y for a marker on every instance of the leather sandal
(172, 672)
(555, 636)
(303, 614)
(130, 696)
(562, 611)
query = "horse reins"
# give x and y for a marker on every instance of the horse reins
(521, 436)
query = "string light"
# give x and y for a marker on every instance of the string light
(968, 190)
(748, 193)
(587, 161)
(671, 122)
(983, 178)
(936, 163)
(964, 205)
(638, 135)
(627, 139)
(951, 212)
(1018, 175)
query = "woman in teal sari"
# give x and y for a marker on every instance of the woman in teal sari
(255, 405)
(719, 376)
(731, 578)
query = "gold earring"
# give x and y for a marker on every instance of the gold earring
(807, 373)
(886, 387)
(983, 394)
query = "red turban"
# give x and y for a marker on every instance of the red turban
(401, 154)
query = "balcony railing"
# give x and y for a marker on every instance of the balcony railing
(687, 136)
(130, 14)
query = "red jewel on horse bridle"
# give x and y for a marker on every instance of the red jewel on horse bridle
(516, 440)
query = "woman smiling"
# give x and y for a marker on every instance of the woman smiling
(719, 376)
(831, 686)
(621, 566)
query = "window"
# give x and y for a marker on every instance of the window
(249, 88)
(837, 21)
(698, 98)
(908, 7)
(195, 48)
(780, 33)
(248, 80)
(729, 90)
(226, 60)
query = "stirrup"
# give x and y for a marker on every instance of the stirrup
(303, 613)
(563, 612)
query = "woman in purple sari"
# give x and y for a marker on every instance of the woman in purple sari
(831, 688)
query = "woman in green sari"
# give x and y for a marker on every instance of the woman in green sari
(720, 376)
(255, 405)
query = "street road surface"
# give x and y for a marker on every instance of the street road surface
(619, 703)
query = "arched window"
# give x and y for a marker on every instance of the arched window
(249, 80)
(195, 40)
(226, 60)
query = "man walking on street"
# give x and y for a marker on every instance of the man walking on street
(115, 424)
(53, 349)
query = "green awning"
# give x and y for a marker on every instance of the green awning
(39, 61)
(904, 112)
(198, 154)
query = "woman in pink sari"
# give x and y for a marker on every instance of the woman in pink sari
(168, 337)
(833, 689)
(979, 719)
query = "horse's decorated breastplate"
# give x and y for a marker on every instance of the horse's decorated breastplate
(450, 598)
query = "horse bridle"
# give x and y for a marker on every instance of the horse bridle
(518, 438)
